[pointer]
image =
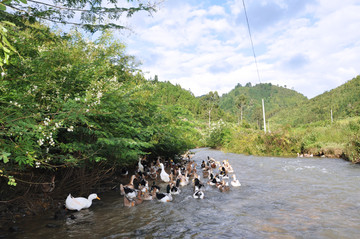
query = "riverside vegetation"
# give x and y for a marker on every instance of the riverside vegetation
(74, 113)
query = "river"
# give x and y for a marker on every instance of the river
(279, 198)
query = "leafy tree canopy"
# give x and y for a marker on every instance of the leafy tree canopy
(92, 15)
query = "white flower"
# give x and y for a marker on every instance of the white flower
(52, 143)
(40, 142)
(70, 129)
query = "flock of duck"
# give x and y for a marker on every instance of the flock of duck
(181, 174)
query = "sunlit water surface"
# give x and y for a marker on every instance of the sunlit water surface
(279, 198)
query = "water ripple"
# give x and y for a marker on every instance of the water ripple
(279, 198)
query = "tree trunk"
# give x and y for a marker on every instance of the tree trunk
(241, 115)
(209, 119)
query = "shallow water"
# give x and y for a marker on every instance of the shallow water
(279, 198)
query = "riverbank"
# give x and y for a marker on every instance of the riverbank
(30, 198)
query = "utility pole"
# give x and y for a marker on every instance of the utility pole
(331, 116)
(263, 106)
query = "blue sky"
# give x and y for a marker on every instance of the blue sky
(311, 46)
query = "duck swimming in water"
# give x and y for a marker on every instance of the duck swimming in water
(79, 203)
(235, 182)
(140, 166)
(165, 197)
(154, 187)
(128, 192)
(174, 188)
(131, 202)
(198, 185)
(223, 186)
(163, 175)
(198, 194)
(143, 185)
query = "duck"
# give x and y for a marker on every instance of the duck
(154, 187)
(128, 192)
(79, 203)
(212, 181)
(198, 184)
(174, 188)
(228, 166)
(165, 197)
(152, 173)
(198, 194)
(163, 175)
(184, 179)
(224, 176)
(210, 160)
(235, 182)
(223, 187)
(148, 196)
(140, 166)
(131, 202)
(143, 185)
(131, 183)
(205, 173)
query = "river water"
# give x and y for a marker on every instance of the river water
(279, 198)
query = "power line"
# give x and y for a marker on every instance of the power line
(252, 44)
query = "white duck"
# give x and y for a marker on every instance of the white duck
(79, 203)
(140, 166)
(163, 175)
(235, 182)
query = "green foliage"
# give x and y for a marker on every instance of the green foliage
(344, 102)
(6, 49)
(250, 141)
(69, 102)
(353, 149)
(249, 98)
(220, 133)
(89, 15)
(353, 146)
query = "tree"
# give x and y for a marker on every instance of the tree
(240, 102)
(93, 15)
(211, 101)
(6, 48)
(248, 84)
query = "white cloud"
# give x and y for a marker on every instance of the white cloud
(206, 47)
(216, 10)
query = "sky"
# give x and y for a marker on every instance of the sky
(310, 46)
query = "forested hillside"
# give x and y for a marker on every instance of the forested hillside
(249, 98)
(343, 101)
